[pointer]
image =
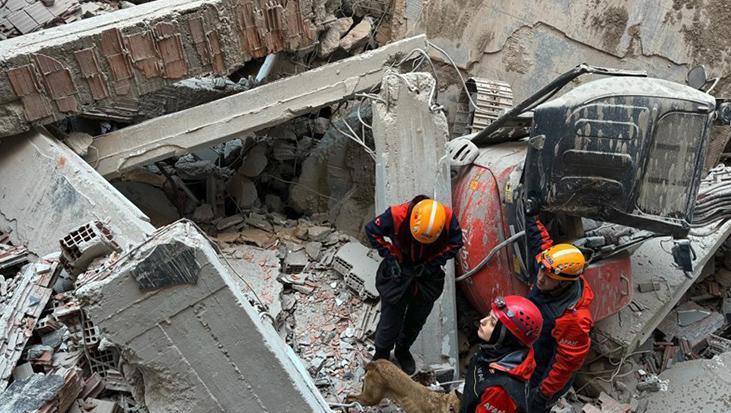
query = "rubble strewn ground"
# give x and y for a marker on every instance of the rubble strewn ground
(283, 202)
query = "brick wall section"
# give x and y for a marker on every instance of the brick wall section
(99, 64)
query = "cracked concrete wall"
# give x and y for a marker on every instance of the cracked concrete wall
(529, 43)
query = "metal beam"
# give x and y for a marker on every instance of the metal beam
(224, 119)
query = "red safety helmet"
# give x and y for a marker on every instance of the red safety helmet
(520, 316)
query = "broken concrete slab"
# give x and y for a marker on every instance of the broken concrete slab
(62, 193)
(229, 222)
(358, 266)
(227, 118)
(255, 161)
(411, 134)
(243, 190)
(151, 200)
(161, 332)
(696, 385)
(622, 333)
(105, 63)
(691, 322)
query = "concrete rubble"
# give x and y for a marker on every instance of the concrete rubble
(245, 112)
(223, 266)
(159, 319)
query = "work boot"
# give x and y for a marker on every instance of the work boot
(381, 353)
(405, 360)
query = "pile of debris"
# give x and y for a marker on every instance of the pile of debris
(52, 358)
(306, 166)
(692, 339)
(319, 287)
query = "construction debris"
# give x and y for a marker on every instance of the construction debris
(119, 151)
(697, 385)
(166, 330)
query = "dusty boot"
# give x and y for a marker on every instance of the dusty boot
(405, 360)
(382, 353)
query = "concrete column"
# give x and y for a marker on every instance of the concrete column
(411, 138)
(48, 191)
(179, 317)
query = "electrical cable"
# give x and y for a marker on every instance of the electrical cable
(464, 84)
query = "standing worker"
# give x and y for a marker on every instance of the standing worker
(422, 235)
(498, 375)
(563, 296)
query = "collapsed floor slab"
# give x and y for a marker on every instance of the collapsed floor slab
(48, 191)
(411, 136)
(178, 316)
(103, 64)
(696, 385)
(224, 119)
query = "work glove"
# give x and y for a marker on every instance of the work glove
(532, 206)
(537, 401)
(393, 270)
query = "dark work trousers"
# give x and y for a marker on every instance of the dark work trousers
(401, 322)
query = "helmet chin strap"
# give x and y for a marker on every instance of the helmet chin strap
(489, 345)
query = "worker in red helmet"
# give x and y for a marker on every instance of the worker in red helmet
(563, 296)
(416, 239)
(498, 375)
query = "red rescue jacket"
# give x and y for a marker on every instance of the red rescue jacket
(564, 342)
(498, 386)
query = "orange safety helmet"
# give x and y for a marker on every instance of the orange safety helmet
(427, 220)
(562, 262)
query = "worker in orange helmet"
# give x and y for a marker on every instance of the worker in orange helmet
(498, 374)
(422, 235)
(563, 296)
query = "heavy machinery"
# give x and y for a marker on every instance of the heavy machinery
(611, 164)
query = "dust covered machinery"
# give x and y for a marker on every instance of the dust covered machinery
(625, 149)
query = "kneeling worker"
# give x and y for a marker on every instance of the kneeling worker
(422, 235)
(498, 375)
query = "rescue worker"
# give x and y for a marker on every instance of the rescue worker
(422, 235)
(563, 296)
(498, 374)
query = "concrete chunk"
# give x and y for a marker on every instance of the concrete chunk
(31, 394)
(62, 193)
(199, 347)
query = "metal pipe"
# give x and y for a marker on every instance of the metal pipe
(266, 68)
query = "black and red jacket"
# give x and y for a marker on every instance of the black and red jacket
(498, 384)
(394, 224)
(564, 341)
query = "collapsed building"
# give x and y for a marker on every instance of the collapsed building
(190, 236)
